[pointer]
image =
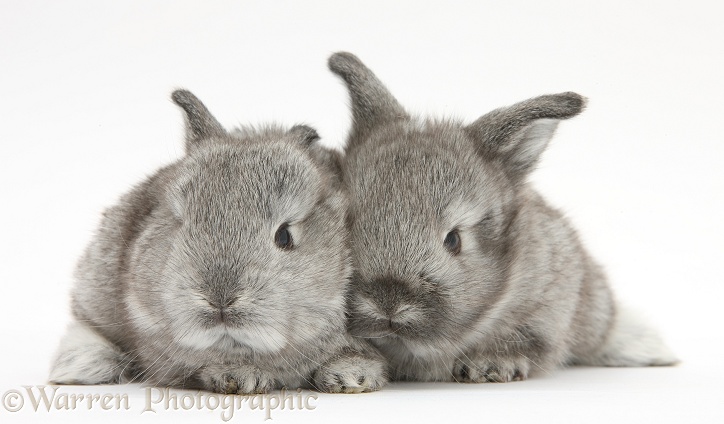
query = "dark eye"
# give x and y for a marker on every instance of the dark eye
(452, 242)
(283, 238)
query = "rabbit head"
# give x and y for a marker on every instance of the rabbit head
(247, 247)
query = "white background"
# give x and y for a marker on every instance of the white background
(85, 113)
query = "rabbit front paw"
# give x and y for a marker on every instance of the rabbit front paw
(236, 379)
(350, 374)
(490, 370)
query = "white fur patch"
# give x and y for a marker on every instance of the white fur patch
(262, 339)
(85, 357)
(198, 338)
(632, 343)
(422, 350)
(265, 339)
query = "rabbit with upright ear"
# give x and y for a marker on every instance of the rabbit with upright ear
(225, 271)
(462, 272)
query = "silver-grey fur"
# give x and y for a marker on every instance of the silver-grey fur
(184, 286)
(515, 292)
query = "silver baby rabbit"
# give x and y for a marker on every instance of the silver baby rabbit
(225, 271)
(462, 272)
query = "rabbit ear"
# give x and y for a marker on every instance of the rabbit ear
(372, 103)
(200, 124)
(329, 159)
(306, 134)
(518, 134)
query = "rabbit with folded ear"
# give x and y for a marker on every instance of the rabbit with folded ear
(462, 271)
(225, 271)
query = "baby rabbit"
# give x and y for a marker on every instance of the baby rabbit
(225, 271)
(462, 271)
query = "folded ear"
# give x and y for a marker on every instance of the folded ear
(518, 134)
(330, 160)
(372, 103)
(304, 133)
(200, 124)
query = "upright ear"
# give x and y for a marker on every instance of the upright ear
(372, 103)
(518, 134)
(200, 124)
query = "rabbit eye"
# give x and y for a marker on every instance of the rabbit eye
(283, 238)
(452, 242)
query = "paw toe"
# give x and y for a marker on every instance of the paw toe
(350, 375)
(487, 372)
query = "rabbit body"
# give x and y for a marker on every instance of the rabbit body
(462, 272)
(225, 271)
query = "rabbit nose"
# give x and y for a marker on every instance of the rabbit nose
(391, 296)
(221, 310)
(399, 317)
(220, 316)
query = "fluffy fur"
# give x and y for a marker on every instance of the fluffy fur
(520, 296)
(184, 285)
